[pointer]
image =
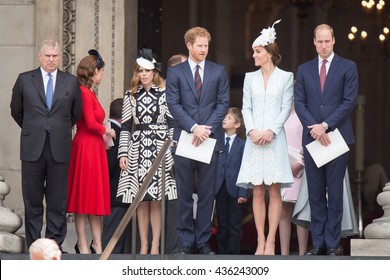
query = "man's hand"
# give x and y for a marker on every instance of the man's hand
(318, 132)
(201, 133)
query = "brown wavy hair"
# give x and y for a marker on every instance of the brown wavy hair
(273, 49)
(86, 70)
(135, 82)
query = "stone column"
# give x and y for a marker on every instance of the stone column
(376, 234)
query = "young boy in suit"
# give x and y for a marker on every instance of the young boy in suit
(228, 196)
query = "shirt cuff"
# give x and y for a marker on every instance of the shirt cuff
(193, 127)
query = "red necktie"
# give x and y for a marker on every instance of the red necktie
(198, 82)
(323, 74)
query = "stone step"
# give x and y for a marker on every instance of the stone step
(370, 247)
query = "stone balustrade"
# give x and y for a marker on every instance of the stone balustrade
(9, 224)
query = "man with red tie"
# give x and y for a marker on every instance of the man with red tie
(198, 99)
(325, 95)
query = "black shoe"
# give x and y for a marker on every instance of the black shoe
(93, 251)
(335, 252)
(205, 250)
(185, 250)
(317, 251)
(76, 248)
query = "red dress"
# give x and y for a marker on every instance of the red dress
(88, 181)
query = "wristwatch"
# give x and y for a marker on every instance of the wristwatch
(325, 125)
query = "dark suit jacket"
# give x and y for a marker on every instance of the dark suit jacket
(184, 105)
(113, 167)
(29, 110)
(334, 105)
(230, 168)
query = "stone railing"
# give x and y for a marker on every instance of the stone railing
(9, 224)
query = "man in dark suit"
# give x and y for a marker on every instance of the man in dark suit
(118, 209)
(198, 99)
(46, 103)
(228, 196)
(325, 95)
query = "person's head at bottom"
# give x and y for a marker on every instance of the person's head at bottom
(44, 249)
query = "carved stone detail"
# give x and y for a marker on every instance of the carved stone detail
(69, 35)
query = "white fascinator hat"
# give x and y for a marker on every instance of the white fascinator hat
(146, 60)
(267, 36)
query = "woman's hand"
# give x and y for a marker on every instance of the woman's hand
(297, 169)
(261, 137)
(110, 132)
(123, 163)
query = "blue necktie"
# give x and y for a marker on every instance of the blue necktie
(49, 91)
(227, 148)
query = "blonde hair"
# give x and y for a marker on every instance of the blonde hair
(45, 249)
(135, 81)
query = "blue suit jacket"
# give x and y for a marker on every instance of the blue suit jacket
(334, 105)
(231, 167)
(184, 105)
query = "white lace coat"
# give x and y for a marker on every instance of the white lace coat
(266, 108)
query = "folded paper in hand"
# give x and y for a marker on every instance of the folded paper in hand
(201, 153)
(108, 139)
(323, 154)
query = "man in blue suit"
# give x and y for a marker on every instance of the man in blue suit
(325, 95)
(198, 99)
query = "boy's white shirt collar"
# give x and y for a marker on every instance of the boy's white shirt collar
(231, 137)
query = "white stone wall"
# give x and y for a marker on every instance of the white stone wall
(17, 54)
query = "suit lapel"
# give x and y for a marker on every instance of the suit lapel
(232, 148)
(60, 83)
(189, 77)
(316, 76)
(332, 70)
(206, 77)
(38, 83)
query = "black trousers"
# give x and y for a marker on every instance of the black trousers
(229, 217)
(45, 179)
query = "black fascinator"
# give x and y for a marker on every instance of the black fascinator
(146, 60)
(100, 62)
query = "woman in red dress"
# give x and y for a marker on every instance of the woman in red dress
(88, 182)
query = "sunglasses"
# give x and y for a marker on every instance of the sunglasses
(99, 58)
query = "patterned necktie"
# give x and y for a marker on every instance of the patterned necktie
(227, 148)
(323, 74)
(198, 82)
(49, 91)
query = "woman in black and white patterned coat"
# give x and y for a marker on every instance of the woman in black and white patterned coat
(146, 111)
